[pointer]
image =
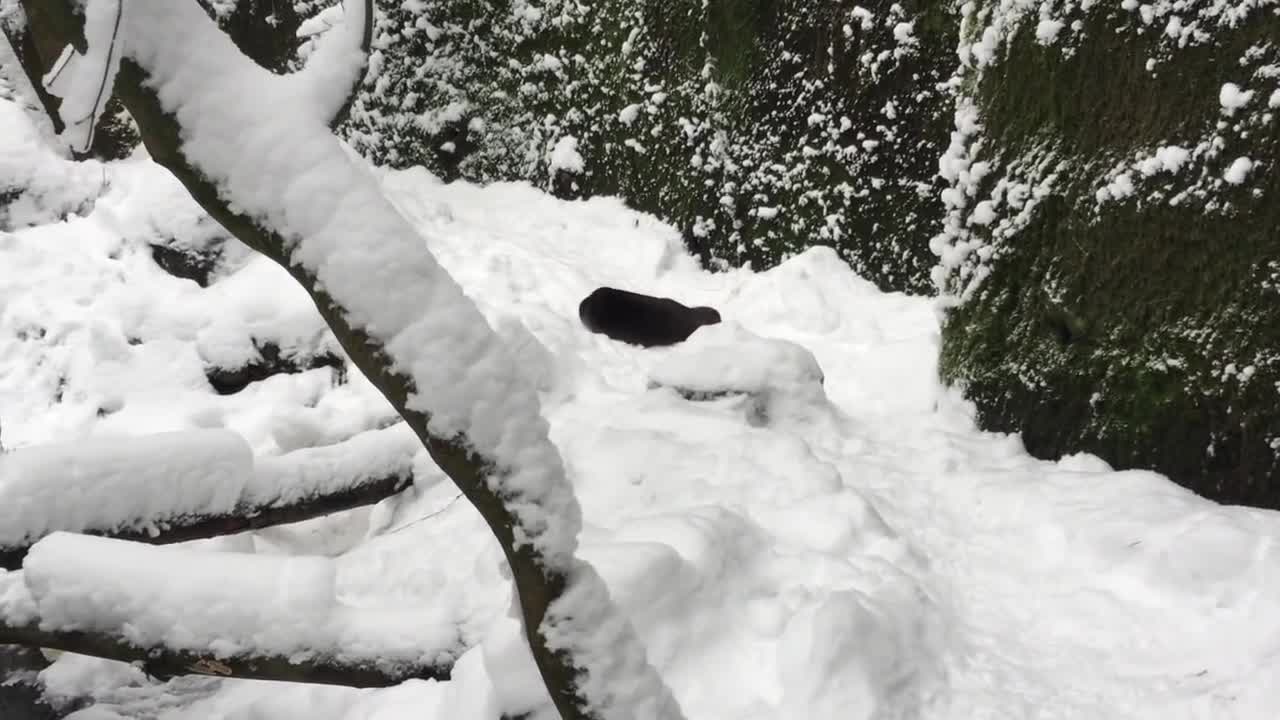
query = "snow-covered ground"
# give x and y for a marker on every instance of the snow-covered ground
(847, 549)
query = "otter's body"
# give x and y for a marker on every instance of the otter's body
(642, 319)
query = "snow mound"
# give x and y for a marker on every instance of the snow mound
(38, 185)
(727, 359)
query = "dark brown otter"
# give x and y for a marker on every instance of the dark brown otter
(642, 319)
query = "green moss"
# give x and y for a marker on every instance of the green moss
(1101, 97)
(1157, 346)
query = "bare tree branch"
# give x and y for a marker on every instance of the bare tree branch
(165, 663)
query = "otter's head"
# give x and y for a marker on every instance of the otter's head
(705, 315)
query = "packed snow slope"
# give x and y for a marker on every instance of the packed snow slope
(834, 545)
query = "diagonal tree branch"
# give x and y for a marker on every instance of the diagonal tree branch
(541, 573)
(537, 584)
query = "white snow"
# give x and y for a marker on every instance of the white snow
(565, 156)
(16, 604)
(392, 451)
(107, 484)
(1231, 97)
(1274, 100)
(1168, 158)
(1238, 171)
(904, 33)
(321, 22)
(223, 602)
(173, 595)
(865, 18)
(146, 482)
(333, 65)
(1047, 31)
(628, 114)
(868, 554)
(984, 213)
(727, 359)
(1120, 187)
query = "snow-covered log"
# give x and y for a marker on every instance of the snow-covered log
(182, 611)
(256, 152)
(180, 486)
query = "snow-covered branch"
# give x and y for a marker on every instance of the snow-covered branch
(336, 67)
(182, 486)
(273, 174)
(179, 611)
(163, 662)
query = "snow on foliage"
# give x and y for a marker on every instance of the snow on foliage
(699, 113)
(38, 184)
(565, 156)
(987, 27)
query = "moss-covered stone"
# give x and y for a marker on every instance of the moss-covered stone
(1114, 263)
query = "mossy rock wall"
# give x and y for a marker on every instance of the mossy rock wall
(758, 127)
(1112, 245)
